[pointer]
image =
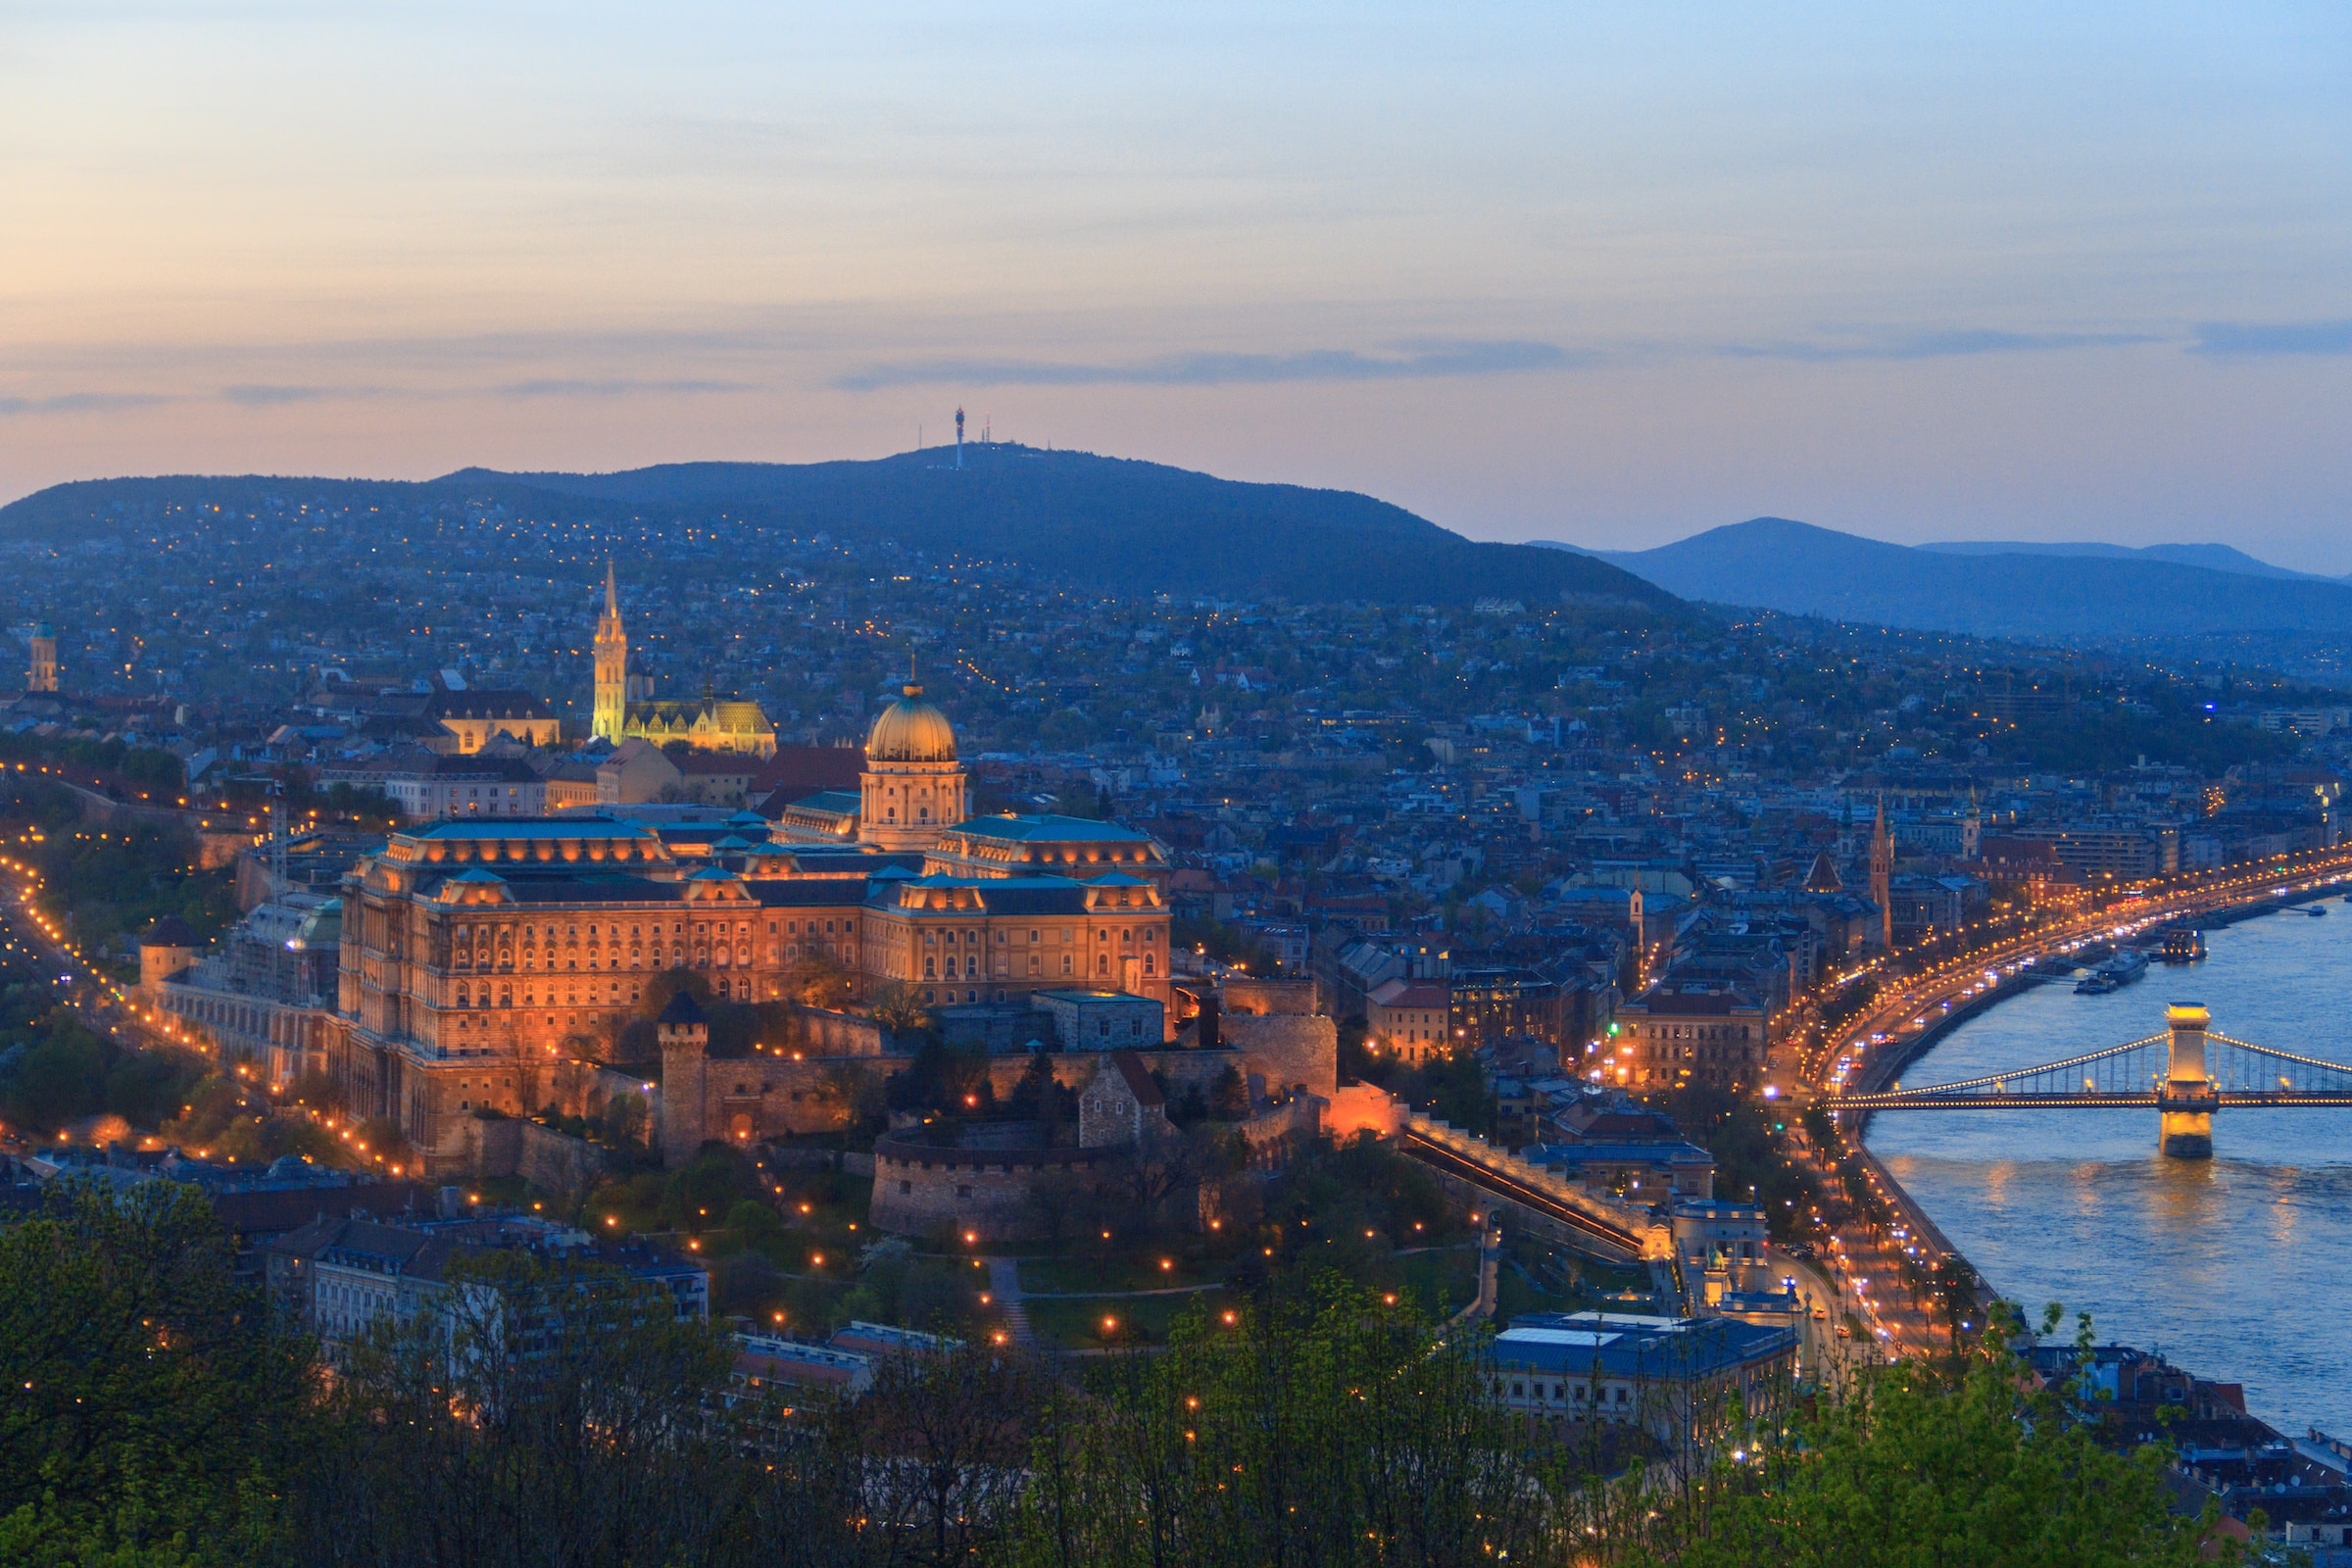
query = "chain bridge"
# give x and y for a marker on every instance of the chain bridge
(2185, 1075)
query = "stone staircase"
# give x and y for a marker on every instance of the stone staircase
(1005, 1291)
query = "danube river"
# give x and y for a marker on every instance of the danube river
(2237, 1267)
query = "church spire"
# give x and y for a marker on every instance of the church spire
(611, 652)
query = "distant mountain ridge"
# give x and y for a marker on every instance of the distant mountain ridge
(1107, 523)
(2212, 558)
(1988, 590)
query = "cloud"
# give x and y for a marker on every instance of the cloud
(1933, 346)
(614, 389)
(2220, 338)
(81, 403)
(271, 397)
(1410, 361)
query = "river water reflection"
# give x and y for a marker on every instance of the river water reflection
(2238, 1268)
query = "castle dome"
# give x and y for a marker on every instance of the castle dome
(911, 730)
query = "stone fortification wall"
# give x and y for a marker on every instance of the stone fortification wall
(823, 1032)
(750, 1098)
(1252, 996)
(1276, 1134)
(745, 1099)
(548, 1159)
(1288, 1050)
(995, 1193)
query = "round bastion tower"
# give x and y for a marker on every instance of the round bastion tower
(912, 787)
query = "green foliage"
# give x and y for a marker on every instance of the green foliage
(1227, 944)
(700, 1195)
(556, 1411)
(148, 1412)
(942, 1078)
(56, 1071)
(1452, 1088)
(1321, 1426)
(117, 883)
(925, 1294)
(1749, 1142)
(2105, 740)
(134, 769)
(1920, 1470)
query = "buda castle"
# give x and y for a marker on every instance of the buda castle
(487, 964)
(625, 707)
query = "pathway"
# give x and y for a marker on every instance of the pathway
(1005, 1289)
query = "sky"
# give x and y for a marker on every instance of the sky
(1608, 274)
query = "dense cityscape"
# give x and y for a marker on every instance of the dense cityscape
(1417, 786)
(1327, 978)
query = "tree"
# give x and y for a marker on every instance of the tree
(149, 1412)
(949, 1433)
(897, 1008)
(1986, 1470)
(1319, 1425)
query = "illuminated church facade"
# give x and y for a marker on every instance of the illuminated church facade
(487, 963)
(625, 707)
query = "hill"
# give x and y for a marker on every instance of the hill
(1104, 523)
(2212, 557)
(1776, 563)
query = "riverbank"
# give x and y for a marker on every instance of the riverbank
(2216, 1261)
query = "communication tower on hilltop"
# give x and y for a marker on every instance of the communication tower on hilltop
(959, 438)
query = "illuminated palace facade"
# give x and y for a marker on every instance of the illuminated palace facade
(626, 708)
(486, 964)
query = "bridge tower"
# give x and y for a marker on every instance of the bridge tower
(2187, 1097)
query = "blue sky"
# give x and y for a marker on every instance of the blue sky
(1609, 275)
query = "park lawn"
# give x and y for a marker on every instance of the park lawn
(1130, 1269)
(1514, 1295)
(1139, 1319)
(1437, 1282)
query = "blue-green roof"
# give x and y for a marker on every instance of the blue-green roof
(1048, 829)
(528, 827)
(841, 803)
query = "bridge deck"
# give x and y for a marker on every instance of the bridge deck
(1431, 1153)
(1927, 1100)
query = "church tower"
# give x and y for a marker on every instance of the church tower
(1971, 829)
(1881, 876)
(612, 667)
(41, 675)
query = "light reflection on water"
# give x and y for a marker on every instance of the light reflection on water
(2236, 1267)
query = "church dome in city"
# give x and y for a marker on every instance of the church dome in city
(911, 730)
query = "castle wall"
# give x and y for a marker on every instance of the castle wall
(994, 1194)
(1249, 995)
(1287, 1049)
(548, 1159)
(748, 1098)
